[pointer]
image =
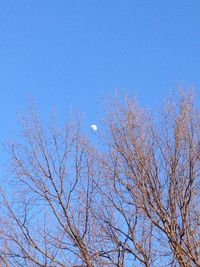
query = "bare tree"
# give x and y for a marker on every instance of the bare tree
(49, 219)
(153, 173)
(133, 202)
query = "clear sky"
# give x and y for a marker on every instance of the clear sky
(70, 53)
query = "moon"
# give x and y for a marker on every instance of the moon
(94, 127)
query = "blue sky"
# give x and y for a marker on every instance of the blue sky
(71, 53)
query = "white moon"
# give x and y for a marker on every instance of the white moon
(94, 127)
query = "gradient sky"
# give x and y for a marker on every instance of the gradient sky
(71, 53)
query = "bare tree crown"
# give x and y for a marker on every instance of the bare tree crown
(133, 202)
